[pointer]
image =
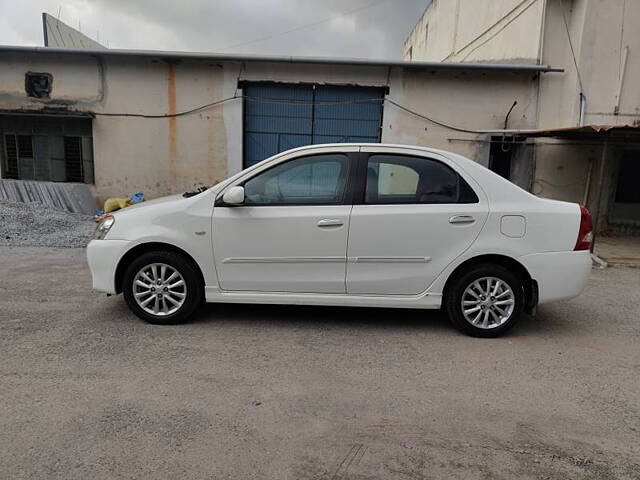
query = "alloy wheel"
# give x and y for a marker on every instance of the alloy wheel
(488, 302)
(159, 289)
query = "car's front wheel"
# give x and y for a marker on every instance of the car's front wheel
(485, 301)
(162, 287)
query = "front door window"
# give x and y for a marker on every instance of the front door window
(314, 180)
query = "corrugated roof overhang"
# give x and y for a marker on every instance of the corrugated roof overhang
(587, 132)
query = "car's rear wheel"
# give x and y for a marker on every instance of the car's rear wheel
(162, 287)
(485, 301)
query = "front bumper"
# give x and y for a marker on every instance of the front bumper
(103, 257)
(560, 275)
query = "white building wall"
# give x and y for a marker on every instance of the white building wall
(533, 31)
(601, 31)
(478, 30)
(606, 69)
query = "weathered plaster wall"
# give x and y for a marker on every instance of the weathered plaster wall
(600, 31)
(163, 155)
(76, 80)
(472, 101)
(159, 156)
(562, 169)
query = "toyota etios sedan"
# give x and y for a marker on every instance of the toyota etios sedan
(350, 225)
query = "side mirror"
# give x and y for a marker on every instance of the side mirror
(234, 196)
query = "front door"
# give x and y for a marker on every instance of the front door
(290, 235)
(416, 216)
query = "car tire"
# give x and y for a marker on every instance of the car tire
(163, 287)
(485, 301)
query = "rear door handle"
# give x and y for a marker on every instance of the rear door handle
(330, 222)
(461, 219)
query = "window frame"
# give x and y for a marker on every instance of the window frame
(363, 164)
(347, 195)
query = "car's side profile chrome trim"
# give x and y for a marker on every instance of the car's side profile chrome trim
(389, 259)
(284, 260)
(326, 260)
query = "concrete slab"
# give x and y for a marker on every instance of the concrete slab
(619, 251)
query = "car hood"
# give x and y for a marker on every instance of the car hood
(155, 201)
(155, 219)
(163, 205)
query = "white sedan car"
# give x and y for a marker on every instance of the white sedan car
(369, 225)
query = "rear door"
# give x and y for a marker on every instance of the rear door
(416, 214)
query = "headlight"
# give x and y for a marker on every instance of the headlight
(103, 228)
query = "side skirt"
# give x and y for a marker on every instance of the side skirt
(426, 301)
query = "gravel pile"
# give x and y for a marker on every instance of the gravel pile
(34, 224)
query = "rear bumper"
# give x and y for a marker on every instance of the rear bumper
(103, 257)
(560, 275)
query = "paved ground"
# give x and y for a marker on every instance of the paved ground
(88, 391)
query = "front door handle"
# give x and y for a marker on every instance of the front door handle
(330, 222)
(461, 219)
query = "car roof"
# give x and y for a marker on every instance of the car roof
(338, 146)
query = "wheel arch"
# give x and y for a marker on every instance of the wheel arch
(143, 248)
(530, 284)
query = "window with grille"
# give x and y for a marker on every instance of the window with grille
(73, 159)
(11, 151)
(48, 149)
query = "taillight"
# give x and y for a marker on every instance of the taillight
(585, 234)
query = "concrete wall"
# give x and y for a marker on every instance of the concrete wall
(602, 32)
(478, 30)
(156, 156)
(169, 155)
(165, 155)
(469, 101)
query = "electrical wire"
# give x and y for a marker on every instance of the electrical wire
(573, 53)
(169, 115)
(301, 102)
(437, 122)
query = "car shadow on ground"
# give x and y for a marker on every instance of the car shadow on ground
(321, 315)
(546, 323)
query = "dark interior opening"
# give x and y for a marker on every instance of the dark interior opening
(500, 156)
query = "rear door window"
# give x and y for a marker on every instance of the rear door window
(402, 179)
